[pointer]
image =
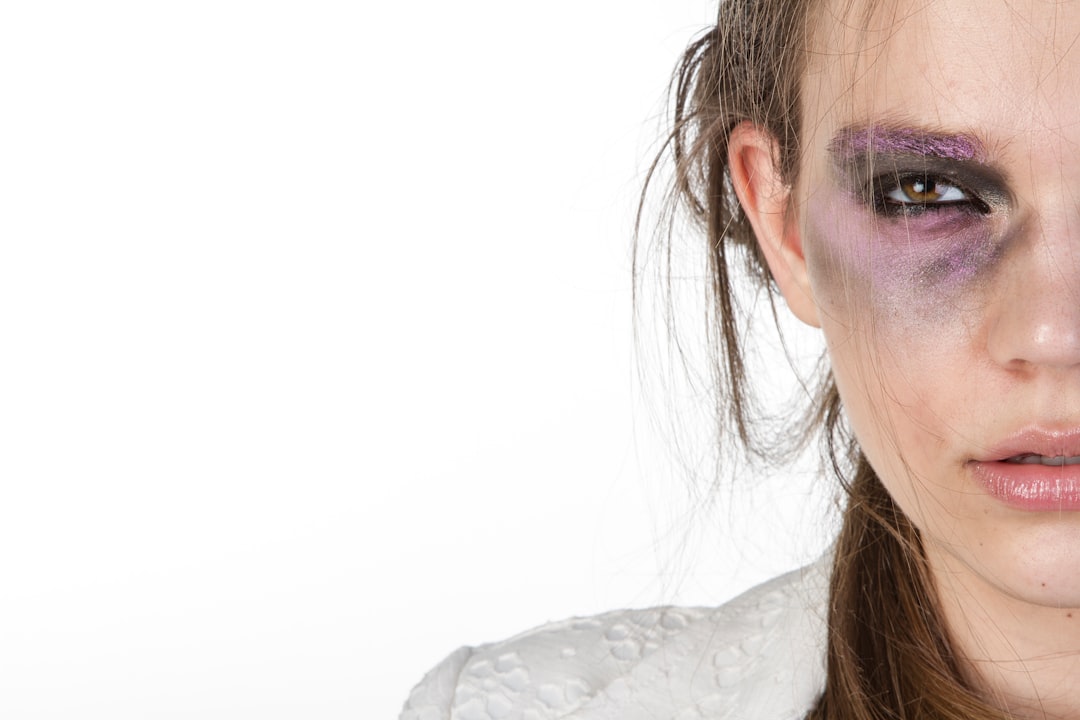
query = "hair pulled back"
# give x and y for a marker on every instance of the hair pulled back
(889, 654)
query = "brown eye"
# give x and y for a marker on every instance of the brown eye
(921, 190)
(924, 190)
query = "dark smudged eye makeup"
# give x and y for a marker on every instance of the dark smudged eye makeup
(902, 172)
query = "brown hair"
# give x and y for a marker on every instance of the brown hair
(889, 654)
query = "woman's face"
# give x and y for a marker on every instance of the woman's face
(939, 210)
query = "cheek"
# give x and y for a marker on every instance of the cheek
(903, 303)
(907, 280)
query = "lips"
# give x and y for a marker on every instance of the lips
(1035, 470)
(1054, 461)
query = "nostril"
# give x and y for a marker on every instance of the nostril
(1050, 342)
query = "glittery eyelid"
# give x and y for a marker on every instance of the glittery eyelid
(867, 140)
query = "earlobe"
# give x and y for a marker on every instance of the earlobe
(766, 201)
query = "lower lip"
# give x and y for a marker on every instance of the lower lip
(1036, 488)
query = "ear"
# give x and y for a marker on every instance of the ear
(765, 200)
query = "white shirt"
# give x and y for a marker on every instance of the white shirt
(759, 657)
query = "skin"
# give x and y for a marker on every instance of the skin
(949, 329)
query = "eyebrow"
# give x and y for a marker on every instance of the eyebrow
(860, 141)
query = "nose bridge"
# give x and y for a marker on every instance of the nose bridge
(1038, 322)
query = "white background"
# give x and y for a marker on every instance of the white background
(317, 355)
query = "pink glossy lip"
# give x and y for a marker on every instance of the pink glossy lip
(1036, 488)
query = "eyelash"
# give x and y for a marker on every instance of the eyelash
(887, 185)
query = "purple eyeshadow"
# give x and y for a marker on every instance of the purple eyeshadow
(855, 142)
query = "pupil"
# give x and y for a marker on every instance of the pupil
(921, 189)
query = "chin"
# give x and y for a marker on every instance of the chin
(1034, 560)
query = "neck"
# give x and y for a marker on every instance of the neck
(1022, 656)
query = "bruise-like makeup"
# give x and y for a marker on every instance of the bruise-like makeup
(910, 246)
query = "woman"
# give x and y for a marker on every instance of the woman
(906, 177)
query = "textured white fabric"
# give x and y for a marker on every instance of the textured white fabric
(759, 657)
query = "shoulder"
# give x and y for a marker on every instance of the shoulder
(759, 656)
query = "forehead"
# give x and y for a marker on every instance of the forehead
(1006, 71)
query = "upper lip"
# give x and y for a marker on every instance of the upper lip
(1035, 440)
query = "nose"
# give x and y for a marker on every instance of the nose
(1038, 319)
